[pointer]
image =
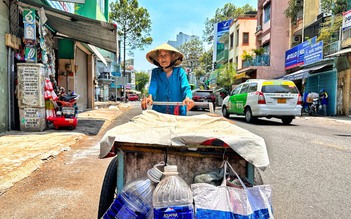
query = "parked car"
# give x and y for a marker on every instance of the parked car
(264, 98)
(132, 97)
(204, 96)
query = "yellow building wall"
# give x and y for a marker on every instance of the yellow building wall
(311, 10)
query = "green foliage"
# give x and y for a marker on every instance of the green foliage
(258, 51)
(330, 29)
(225, 76)
(228, 12)
(141, 79)
(246, 55)
(133, 24)
(192, 51)
(206, 60)
(336, 7)
(293, 10)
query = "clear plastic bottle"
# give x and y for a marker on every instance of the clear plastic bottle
(135, 199)
(172, 197)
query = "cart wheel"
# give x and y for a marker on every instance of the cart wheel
(109, 187)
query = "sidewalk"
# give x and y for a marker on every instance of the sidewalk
(21, 153)
(341, 119)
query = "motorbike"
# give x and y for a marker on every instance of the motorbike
(313, 107)
(66, 112)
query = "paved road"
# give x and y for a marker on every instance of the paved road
(310, 166)
(309, 171)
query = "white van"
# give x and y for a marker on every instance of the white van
(264, 98)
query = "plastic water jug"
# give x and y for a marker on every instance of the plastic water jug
(135, 199)
(172, 197)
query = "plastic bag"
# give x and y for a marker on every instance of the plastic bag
(229, 202)
(214, 177)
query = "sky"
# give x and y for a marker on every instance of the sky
(168, 18)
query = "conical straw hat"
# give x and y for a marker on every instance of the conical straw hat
(152, 55)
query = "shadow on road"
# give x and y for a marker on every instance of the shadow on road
(263, 121)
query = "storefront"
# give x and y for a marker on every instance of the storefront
(317, 76)
(63, 43)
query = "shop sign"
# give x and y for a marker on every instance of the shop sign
(346, 22)
(30, 54)
(295, 56)
(313, 53)
(29, 24)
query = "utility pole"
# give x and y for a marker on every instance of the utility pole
(124, 68)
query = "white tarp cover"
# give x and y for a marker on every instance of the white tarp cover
(152, 127)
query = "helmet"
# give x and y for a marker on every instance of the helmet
(322, 90)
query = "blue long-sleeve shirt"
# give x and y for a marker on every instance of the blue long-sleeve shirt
(173, 89)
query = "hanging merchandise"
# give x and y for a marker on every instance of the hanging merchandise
(135, 199)
(172, 197)
(232, 201)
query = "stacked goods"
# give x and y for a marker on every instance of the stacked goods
(30, 94)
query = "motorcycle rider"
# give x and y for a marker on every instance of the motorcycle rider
(312, 100)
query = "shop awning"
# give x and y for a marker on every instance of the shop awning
(241, 75)
(98, 54)
(78, 28)
(343, 51)
(303, 73)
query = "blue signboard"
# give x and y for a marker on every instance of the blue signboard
(224, 26)
(295, 56)
(313, 53)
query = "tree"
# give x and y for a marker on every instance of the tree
(141, 79)
(133, 25)
(206, 60)
(192, 50)
(294, 8)
(229, 11)
(329, 31)
(335, 7)
(226, 75)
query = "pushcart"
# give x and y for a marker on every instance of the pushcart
(196, 144)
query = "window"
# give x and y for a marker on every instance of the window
(287, 89)
(237, 37)
(253, 87)
(231, 43)
(267, 13)
(245, 38)
(236, 90)
(244, 88)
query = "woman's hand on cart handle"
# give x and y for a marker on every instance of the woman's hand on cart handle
(145, 102)
(189, 103)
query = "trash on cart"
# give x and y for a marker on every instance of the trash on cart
(153, 128)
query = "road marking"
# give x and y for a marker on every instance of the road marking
(338, 147)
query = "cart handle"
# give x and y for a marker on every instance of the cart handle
(209, 104)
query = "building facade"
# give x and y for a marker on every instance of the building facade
(181, 39)
(67, 50)
(242, 40)
(4, 70)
